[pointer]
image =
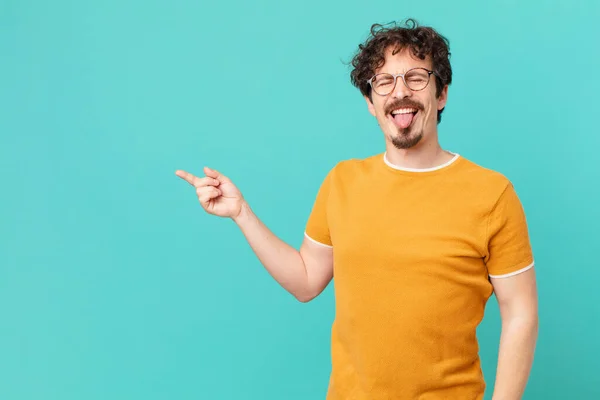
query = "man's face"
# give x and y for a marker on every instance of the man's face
(407, 117)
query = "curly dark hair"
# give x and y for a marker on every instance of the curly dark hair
(422, 41)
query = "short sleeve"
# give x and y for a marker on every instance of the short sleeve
(508, 246)
(317, 226)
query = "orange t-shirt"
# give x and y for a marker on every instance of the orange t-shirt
(413, 252)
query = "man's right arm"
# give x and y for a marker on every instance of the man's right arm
(305, 273)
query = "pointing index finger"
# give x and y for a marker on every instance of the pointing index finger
(186, 176)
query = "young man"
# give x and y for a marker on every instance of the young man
(418, 239)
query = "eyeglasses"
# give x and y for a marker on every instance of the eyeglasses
(415, 79)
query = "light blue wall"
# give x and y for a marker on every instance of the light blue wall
(113, 282)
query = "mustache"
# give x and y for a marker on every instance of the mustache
(403, 103)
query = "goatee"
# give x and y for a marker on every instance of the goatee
(404, 140)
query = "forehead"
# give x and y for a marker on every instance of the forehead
(402, 61)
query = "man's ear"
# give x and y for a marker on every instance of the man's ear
(443, 98)
(370, 105)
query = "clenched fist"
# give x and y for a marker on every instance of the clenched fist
(216, 193)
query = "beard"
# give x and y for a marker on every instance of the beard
(408, 137)
(405, 140)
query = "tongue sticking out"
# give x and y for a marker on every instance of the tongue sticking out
(403, 120)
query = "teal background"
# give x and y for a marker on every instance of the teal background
(114, 284)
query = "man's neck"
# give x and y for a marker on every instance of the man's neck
(419, 157)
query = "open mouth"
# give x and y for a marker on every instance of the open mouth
(404, 117)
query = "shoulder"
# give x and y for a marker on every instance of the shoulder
(353, 167)
(482, 186)
(483, 177)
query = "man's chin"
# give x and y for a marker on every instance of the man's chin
(405, 140)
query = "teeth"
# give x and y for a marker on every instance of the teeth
(404, 111)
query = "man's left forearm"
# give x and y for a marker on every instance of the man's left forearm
(517, 346)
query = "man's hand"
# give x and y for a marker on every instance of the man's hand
(216, 193)
(304, 273)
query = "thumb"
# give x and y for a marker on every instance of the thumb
(215, 174)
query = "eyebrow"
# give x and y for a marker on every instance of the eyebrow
(404, 72)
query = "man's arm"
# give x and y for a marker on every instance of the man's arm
(518, 303)
(304, 273)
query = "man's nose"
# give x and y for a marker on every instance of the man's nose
(401, 91)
